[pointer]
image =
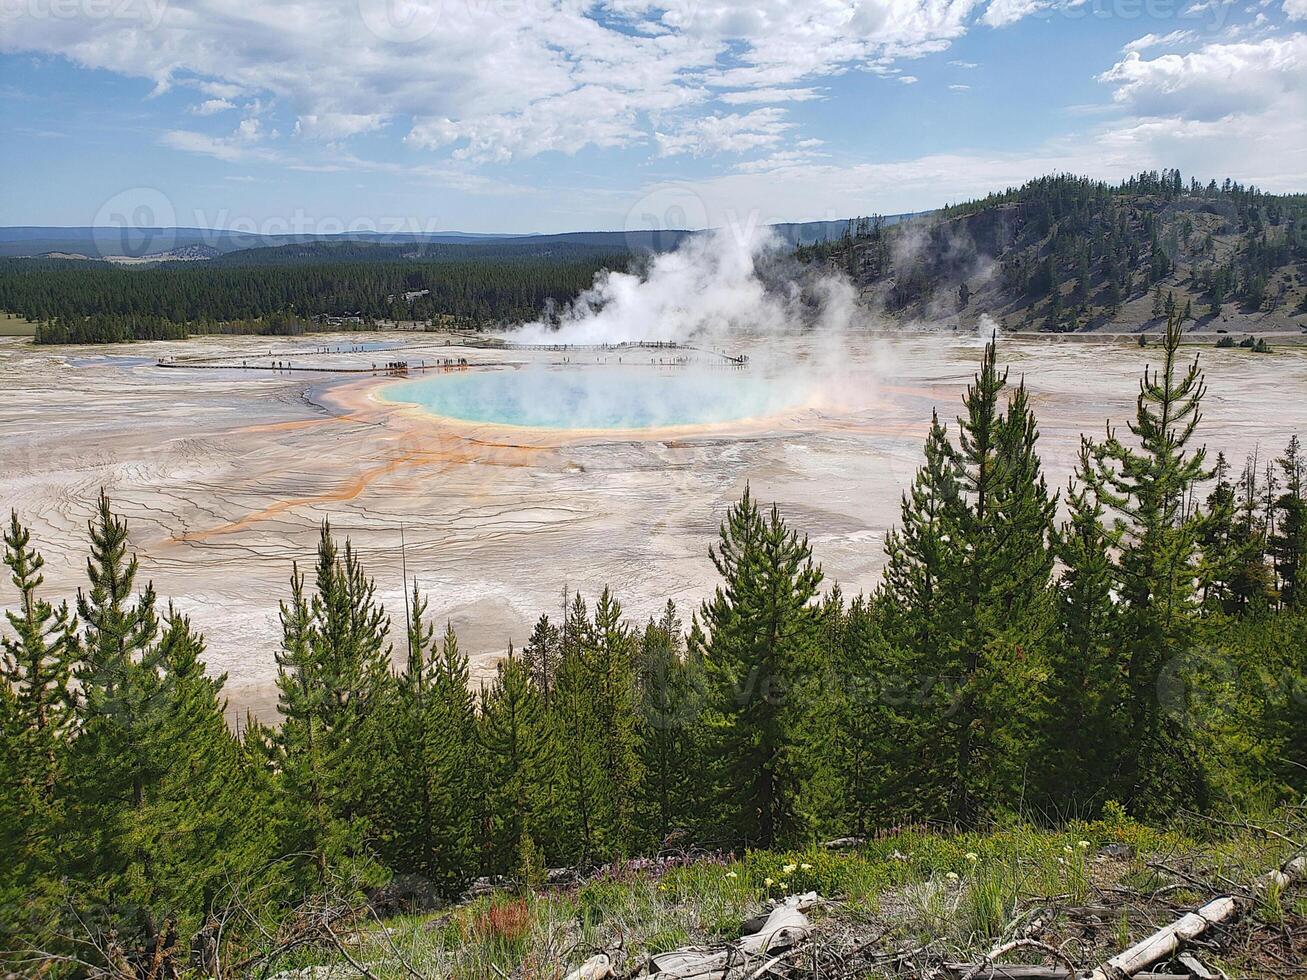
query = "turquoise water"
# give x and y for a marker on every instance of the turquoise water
(590, 398)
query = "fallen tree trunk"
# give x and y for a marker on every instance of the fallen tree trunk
(1022, 971)
(597, 967)
(783, 929)
(1166, 942)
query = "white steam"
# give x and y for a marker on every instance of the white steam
(709, 287)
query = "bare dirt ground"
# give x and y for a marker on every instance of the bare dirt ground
(226, 474)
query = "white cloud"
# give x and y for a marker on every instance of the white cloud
(960, 88)
(565, 123)
(729, 133)
(774, 162)
(1234, 109)
(1000, 13)
(1295, 9)
(964, 65)
(210, 107)
(338, 125)
(498, 81)
(770, 95)
(1160, 40)
(908, 79)
(232, 149)
(1215, 81)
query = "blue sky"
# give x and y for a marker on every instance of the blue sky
(550, 115)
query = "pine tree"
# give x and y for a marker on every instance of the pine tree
(574, 724)
(1084, 688)
(35, 665)
(518, 760)
(541, 655)
(612, 670)
(1252, 584)
(877, 727)
(333, 670)
(1156, 571)
(1004, 530)
(760, 659)
(425, 813)
(207, 809)
(919, 588)
(451, 735)
(1288, 545)
(667, 709)
(114, 766)
(161, 811)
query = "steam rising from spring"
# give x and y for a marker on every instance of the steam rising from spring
(713, 287)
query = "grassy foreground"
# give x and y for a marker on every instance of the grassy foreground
(892, 905)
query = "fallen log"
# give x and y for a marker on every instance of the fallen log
(784, 927)
(1166, 942)
(597, 967)
(1022, 971)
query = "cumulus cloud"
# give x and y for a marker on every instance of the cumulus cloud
(1215, 81)
(725, 133)
(338, 125)
(489, 81)
(211, 107)
(1000, 13)
(1295, 9)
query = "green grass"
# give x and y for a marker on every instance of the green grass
(15, 326)
(960, 892)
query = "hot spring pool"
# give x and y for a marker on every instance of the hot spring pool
(592, 398)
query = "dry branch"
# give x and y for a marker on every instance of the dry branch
(1167, 941)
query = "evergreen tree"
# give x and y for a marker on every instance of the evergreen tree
(425, 814)
(760, 660)
(1219, 545)
(333, 668)
(919, 586)
(876, 726)
(160, 809)
(1084, 670)
(612, 672)
(35, 664)
(1289, 542)
(668, 719)
(542, 654)
(114, 768)
(451, 738)
(518, 760)
(574, 724)
(1156, 571)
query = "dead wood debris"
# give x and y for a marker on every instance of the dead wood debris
(789, 946)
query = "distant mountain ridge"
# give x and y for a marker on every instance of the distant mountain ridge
(171, 244)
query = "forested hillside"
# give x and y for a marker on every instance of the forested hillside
(1142, 655)
(1065, 253)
